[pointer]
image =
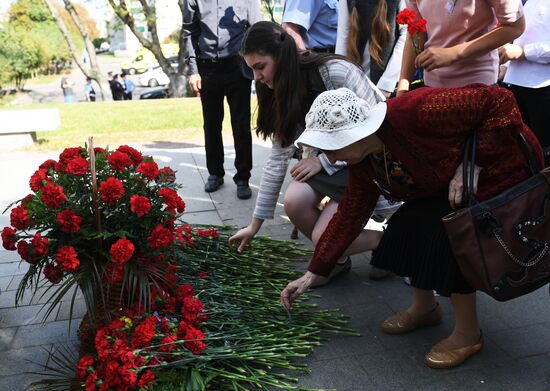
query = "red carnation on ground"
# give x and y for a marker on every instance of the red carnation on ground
(149, 169)
(77, 166)
(160, 237)
(37, 180)
(39, 245)
(134, 154)
(53, 196)
(169, 341)
(67, 258)
(140, 205)
(194, 338)
(53, 273)
(191, 308)
(8, 238)
(406, 16)
(69, 221)
(111, 190)
(208, 233)
(122, 250)
(19, 218)
(119, 161)
(144, 333)
(184, 291)
(146, 379)
(50, 163)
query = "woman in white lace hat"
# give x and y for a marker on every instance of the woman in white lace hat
(287, 83)
(409, 148)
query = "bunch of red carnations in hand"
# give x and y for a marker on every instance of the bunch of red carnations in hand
(128, 347)
(112, 220)
(415, 27)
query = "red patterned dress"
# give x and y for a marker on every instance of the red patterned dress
(424, 135)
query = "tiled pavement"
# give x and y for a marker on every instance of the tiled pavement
(517, 333)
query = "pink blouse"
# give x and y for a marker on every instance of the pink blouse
(451, 22)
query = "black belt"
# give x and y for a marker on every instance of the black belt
(217, 60)
(329, 49)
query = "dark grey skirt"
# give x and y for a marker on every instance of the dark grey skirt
(332, 186)
(415, 245)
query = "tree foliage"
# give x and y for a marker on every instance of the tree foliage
(20, 54)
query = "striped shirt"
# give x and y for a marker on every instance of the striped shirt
(335, 74)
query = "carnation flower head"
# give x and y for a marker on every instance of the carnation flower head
(8, 238)
(66, 258)
(39, 179)
(68, 221)
(122, 250)
(19, 218)
(77, 166)
(132, 153)
(53, 196)
(111, 190)
(119, 161)
(149, 169)
(160, 237)
(140, 205)
(53, 273)
(46, 165)
(406, 16)
(39, 245)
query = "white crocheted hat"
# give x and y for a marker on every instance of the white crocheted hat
(338, 118)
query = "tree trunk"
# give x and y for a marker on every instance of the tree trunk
(176, 88)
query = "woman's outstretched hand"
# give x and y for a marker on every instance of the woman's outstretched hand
(295, 288)
(456, 186)
(241, 240)
(306, 168)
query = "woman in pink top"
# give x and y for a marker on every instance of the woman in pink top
(462, 42)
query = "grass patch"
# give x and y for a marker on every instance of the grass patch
(114, 123)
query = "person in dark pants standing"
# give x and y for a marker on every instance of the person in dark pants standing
(213, 31)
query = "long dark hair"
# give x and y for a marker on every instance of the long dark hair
(270, 39)
(282, 110)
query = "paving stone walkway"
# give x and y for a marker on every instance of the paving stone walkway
(517, 333)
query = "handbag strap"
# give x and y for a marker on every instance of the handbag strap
(468, 165)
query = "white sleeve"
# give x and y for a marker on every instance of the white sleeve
(538, 52)
(390, 77)
(342, 31)
(273, 176)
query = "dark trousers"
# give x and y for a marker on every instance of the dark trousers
(534, 105)
(219, 80)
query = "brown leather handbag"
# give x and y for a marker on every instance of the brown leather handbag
(502, 245)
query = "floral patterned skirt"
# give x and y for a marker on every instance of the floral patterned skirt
(415, 245)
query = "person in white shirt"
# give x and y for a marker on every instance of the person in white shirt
(528, 70)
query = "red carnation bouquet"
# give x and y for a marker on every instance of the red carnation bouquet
(415, 26)
(130, 348)
(96, 218)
